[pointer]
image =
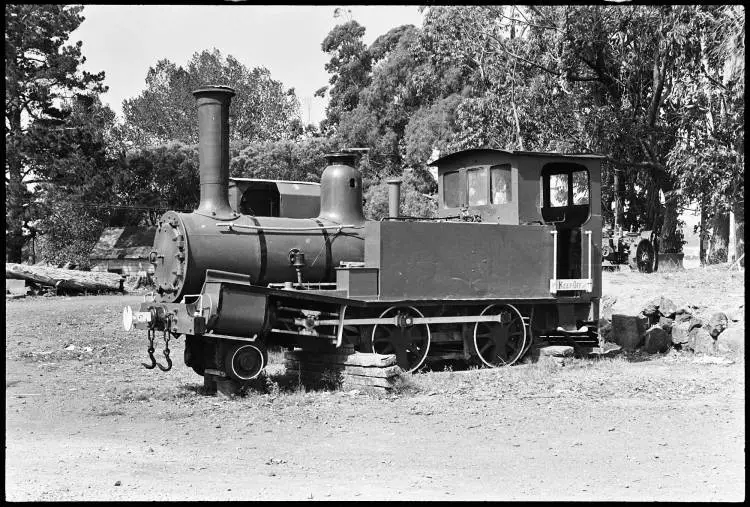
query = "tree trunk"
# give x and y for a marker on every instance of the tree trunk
(670, 238)
(70, 279)
(15, 190)
(702, 228)
(719, 245)
(14, 246)
(739, 231)
(14, 211)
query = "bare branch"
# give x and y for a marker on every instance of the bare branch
(500, 45)
(527, 22)
(705, 72)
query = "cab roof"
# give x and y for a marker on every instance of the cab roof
(476, 151)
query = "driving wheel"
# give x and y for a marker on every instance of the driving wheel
(409, 342)
(500, 343)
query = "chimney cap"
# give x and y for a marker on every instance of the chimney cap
(215, 89)
(393, 181)
(341, 157)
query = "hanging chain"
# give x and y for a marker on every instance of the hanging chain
(167, 335)
(151, 336)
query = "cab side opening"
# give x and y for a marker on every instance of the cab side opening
(565, 203)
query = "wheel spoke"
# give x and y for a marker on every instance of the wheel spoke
(409, 344)
(500, 340)
(483, 349)
(402, 357)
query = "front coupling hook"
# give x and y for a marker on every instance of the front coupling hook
(166, 351)
(150, 351)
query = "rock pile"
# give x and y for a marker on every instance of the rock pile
(661, 324)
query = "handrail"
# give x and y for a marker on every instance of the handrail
(588, 233)
(278, 228)
(554, 260)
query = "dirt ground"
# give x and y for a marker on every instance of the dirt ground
(87, 422)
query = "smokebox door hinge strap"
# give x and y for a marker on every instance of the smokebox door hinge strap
(329, 255)
(263, 251)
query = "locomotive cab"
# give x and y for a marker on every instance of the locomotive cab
(531, 189)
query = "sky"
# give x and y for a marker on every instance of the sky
(125, 40)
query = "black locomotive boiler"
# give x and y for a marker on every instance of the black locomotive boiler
(513, 257)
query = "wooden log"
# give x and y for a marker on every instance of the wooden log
(355, 359)
(65, 278)
(349, 380)
(365, 371)
(354, 382)
(340, 377)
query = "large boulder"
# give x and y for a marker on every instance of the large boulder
(645, 322)
(680, 333)
(667, 308)
(666, 324)
(732, 340)
(701, 341)
(659, 307)
(694, 322)
(716, 324)
(626, 331)
(683, 315)
(651, 309)
(656, 340)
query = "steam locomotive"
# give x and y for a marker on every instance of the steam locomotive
(513, 257)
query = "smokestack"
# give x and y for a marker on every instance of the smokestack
(394, 197)
(213, 149)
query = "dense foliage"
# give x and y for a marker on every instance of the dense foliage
(261, 110)
(658, 90)
(40, 70)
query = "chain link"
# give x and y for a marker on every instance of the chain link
(167, 336)
(151, 336)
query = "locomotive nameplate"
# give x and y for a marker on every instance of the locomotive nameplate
(571, 284)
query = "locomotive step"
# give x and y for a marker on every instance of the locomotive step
(583, 330)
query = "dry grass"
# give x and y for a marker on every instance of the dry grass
(39, 331)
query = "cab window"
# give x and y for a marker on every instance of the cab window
(476, 182)
(451, 197)
(580, 187)
(558, 190)
(500, 192)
